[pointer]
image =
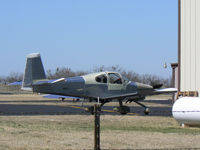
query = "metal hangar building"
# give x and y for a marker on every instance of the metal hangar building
(188, 46)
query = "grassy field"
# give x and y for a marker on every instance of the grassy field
(76, 132)
(57, 132)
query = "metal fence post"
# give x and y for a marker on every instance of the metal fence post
(96, 127)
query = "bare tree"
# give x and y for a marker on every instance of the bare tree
(133, 76)
(2, 80)
(99, 69)
(63, 73)
(115, 68)
(13, 77)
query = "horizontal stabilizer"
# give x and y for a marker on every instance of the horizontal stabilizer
(45, 82)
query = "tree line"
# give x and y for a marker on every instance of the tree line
(65, 72)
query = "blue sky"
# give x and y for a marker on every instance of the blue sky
(138, 35)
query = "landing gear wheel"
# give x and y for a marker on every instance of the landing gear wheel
(146, 111)
(122, 110)
(90, 109)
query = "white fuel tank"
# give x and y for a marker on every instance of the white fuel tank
(186, 110)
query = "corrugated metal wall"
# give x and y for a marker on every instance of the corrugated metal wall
(190, 45)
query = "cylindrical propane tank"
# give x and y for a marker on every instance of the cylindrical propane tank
(186, 110)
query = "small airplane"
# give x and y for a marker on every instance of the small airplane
(101, 86)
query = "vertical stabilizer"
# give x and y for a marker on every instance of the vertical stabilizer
(34, 70)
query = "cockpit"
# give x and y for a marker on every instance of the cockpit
(101, 78)
(112, 78)
(115, 78)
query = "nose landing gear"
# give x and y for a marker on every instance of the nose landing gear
(146, 109)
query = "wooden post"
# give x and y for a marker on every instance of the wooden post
(96, 127)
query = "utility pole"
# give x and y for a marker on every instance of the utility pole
(96, 127)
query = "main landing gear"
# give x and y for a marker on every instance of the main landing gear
(124, 109)
(121, 109)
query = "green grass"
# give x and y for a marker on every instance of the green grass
(154, 129)
(75, 132)
(47, 125)
(87, 126)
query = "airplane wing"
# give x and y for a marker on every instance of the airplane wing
(165, 91)
(122, 96)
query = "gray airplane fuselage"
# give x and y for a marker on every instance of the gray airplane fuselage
(100, 85)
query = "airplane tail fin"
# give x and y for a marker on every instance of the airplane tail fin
(34, 70)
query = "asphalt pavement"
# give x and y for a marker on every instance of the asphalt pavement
(43, 109)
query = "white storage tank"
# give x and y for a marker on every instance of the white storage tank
(186, 111)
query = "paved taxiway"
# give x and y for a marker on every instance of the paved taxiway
(24, 108)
